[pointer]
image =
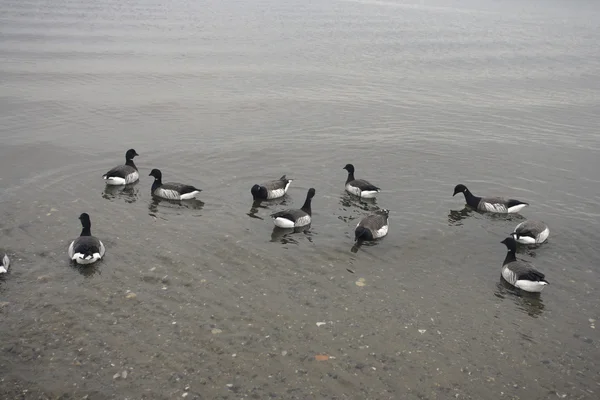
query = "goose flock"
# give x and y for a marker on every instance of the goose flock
(88, 249)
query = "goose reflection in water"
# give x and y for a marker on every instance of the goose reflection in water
(265, 204)
(529, 303)
(153, 205)
(128, 193)
(286, 235)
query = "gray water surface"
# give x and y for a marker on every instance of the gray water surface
(502, 96)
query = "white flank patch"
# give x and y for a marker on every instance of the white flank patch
(287, 186)
(132, 177)
(353, 190)
(167, 194)
(273, 194)
(189, 195)
(381, 232)
(531, 286)
(70, 251)
(517, 208)
(115, 181)
(496, 208)
(283, 222)
(102, 249)
(508, 275)
(543, 236)
(3, 270)
(303, 221)
(526, 240)
(369, 194)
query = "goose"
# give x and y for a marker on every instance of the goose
(520, 273)
(86, 249)
(171, 190)
(123, 174)
(491, 204)
(359, 187)
(531, 232)
(373, 226)
(295, 218)
(5, 264)
(271, 189)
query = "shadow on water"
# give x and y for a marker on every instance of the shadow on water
(364, 243)
(285, 235)
(530, 249)
(530, 303)
(128, 193)
(87, 270)
(193, 204)
(455, 217)
(265, 204)
(350, 200)
(353, 203)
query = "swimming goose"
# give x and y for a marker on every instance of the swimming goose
(171, 190)
(359, 187)
(491, 204)
(271, 189)
(5, 264)
(373, 226)
(520, 273)
(123, 174)
(531, 232)
(295, 218)
(86, 249)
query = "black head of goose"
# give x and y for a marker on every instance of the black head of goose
(5, 264)
(123, 174)
(531, 232)
(271, 189)
(171, 190)
(359, 187)
(373, 226)
(519, 273)
(86, 249)
(490, 204)
(294, 218)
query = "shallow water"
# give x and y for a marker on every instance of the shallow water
(420, 96)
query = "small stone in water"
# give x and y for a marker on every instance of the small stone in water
(124, 374)
(284, 353)
(131, 295)
(116, 376)
(216, 331)
(184, 395)
(360, 282)
(321, 323)
(229, 385)
(422, 331)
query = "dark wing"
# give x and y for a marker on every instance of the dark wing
(86, 245)
(525, 271)
(278, 184)
(374, 222)
(120, 171)
(179, 187)
(363, 185)
(292, 215)
(530, 229)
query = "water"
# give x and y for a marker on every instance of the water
(420, 96)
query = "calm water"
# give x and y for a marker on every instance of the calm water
(502, 96)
